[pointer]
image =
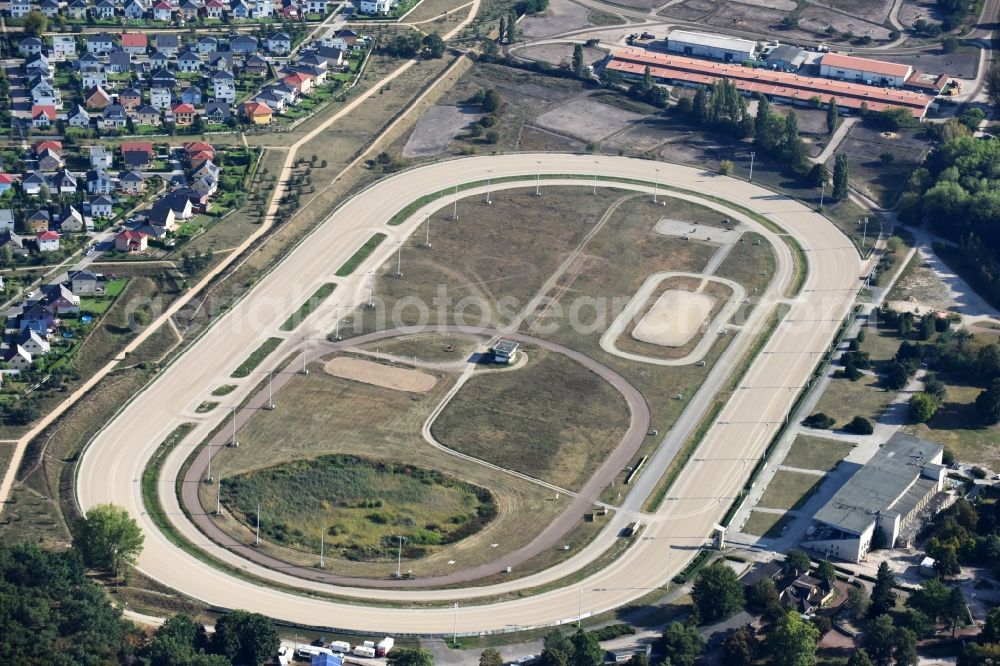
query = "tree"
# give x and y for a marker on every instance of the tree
(880, 640)
(557, 650)
(586, 649)
(639, 659)
(859, 425)
(859, 658)
(245, 638)
(988, 361)
(726, 167)
(511, 28)
(490, 657)
(896, 375)
(492, 101)
(904, 649)
(832, 115)
(762, 598)
(979, 655)
(740, 646)
(792, 642)
(993, 84)
(826, 572)
(797, 562)
(956, 610)
(717, 592)
(434, 45)
(988, 403)
(840, 177)
(35, 24)
(682, 644)
(883, 592)
(110, 539)
(410, 657)
(922, 407)
(578, 64)
(794, 150)
(991, 628)
(819, 420)
(857, 603)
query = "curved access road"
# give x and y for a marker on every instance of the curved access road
(112, 465)
(548, 538)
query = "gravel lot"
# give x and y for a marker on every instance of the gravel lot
(962, 63)
(586, 119)
(561, 16)
(558, 54)
(435, 129)
(876, 11)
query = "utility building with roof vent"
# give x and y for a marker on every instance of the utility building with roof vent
(865, 70)
(880, 499)
(717, 47)
(504, 352)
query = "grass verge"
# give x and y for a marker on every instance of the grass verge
(253, 360)
(308, 307)
(363, 252)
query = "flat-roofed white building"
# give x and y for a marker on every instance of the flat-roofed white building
(717, 47)
(865, 70)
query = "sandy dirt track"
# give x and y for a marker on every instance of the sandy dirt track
(380, 374)
(116, 457)
(674, 318)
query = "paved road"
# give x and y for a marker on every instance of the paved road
(112, 464)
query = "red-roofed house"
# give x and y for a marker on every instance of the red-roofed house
(301, 82)
(192, 147)
(134, 42)
(48, 241)
(184, 114)
(47, 145)
(42, 115)
(200, 158)
(162, 11)
(130, 241)
(6, 181)
(258, 113)
(143, 146)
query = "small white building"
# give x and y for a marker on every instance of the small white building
(375, 6)
(716, 47)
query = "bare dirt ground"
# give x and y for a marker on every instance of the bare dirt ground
(817, 19)
(674, 318)
(586, 119)
(910, 11)
(536, 138)
(961, 63)
(881, 180)
(781, 5)
(560, 54)
(757, 19)
(379, 374)
(692, 10)
(704, 232)
(876, 11)
(436, 128)
(561, 16)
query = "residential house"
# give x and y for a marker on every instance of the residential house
(134, 10)
(135, 159)
(42, 115)
(48, 241)
(189, 10)
(806, 594)
(375, 7)
(105, 9)
(134, 42)
(100, 44)
(206, 169)
(189, 61)
(208, 45)
(191, 95)
(320, 7)
(276, 102)
(132, 182)
(347, 40)
(71, 221)
(50, 8)
(179, 205)
(169, 43)
(48, 159)
(147, 115)
(61, 299)
(102, 207)
(162, 218)
(96, 97)
(159, 60)
(256, 65)
(63, 182)
(162, 78)
(114, 116)
(223, 87)
(77, 9)
(18, 358)
(47, 144)
(33, 343)
(290, 12)
(214, 9)
(138, 146)
(33, 183)
(130, 98)
(101, 157)
(119, 62)
(30, 46)
(13, 241)
(184, 114)
(218, 112)
(91, 80)
(38, 318)
(44, 93)
(221, 61)
(161, 98)
(195, 148)
(100, 182)
(279, 43)
(257, 113)
(301, 82)
(37, 221)
(163, 11)
(239, 9)
(6, 220)
(78, 117)
(261, 9)
(312, 61)
(318, 73)
(20, 8)
(85, 283)
(88, 62)
(37, 65)
(6, 183)
(131, 241)
(244, 44)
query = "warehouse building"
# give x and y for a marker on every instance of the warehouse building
(787, 58)
(864, 70)
(777, 86)
(716, 47)
(879, 500)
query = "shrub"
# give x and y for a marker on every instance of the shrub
(726, 167)
(859, 425)
(819, 420)
(978, 472)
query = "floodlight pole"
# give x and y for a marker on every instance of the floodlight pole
(270, 392)
(234, 442)
(454, 213)
(305, 346)
(750, 178)
(399, 259)
(822, 193)
(656, 185)
(321, 539)
(208, 479)
(336, 331)
(864, 233)
(489, 184)
(538, 179)
(427, 232)
(371, 289)
(218, 498)
(454, 636)
(399, 558)
(595, 177)
(258, 524)
(579, 615)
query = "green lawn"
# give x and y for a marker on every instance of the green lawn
(309, 306)
(256, 358)
(363, 253)
(789, 490)
(809, 452)
(766, 524)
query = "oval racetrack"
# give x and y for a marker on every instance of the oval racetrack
(113, 462)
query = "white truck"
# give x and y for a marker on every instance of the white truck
(310, 651)
(384, 645)
(365, 650)
(342, 647)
